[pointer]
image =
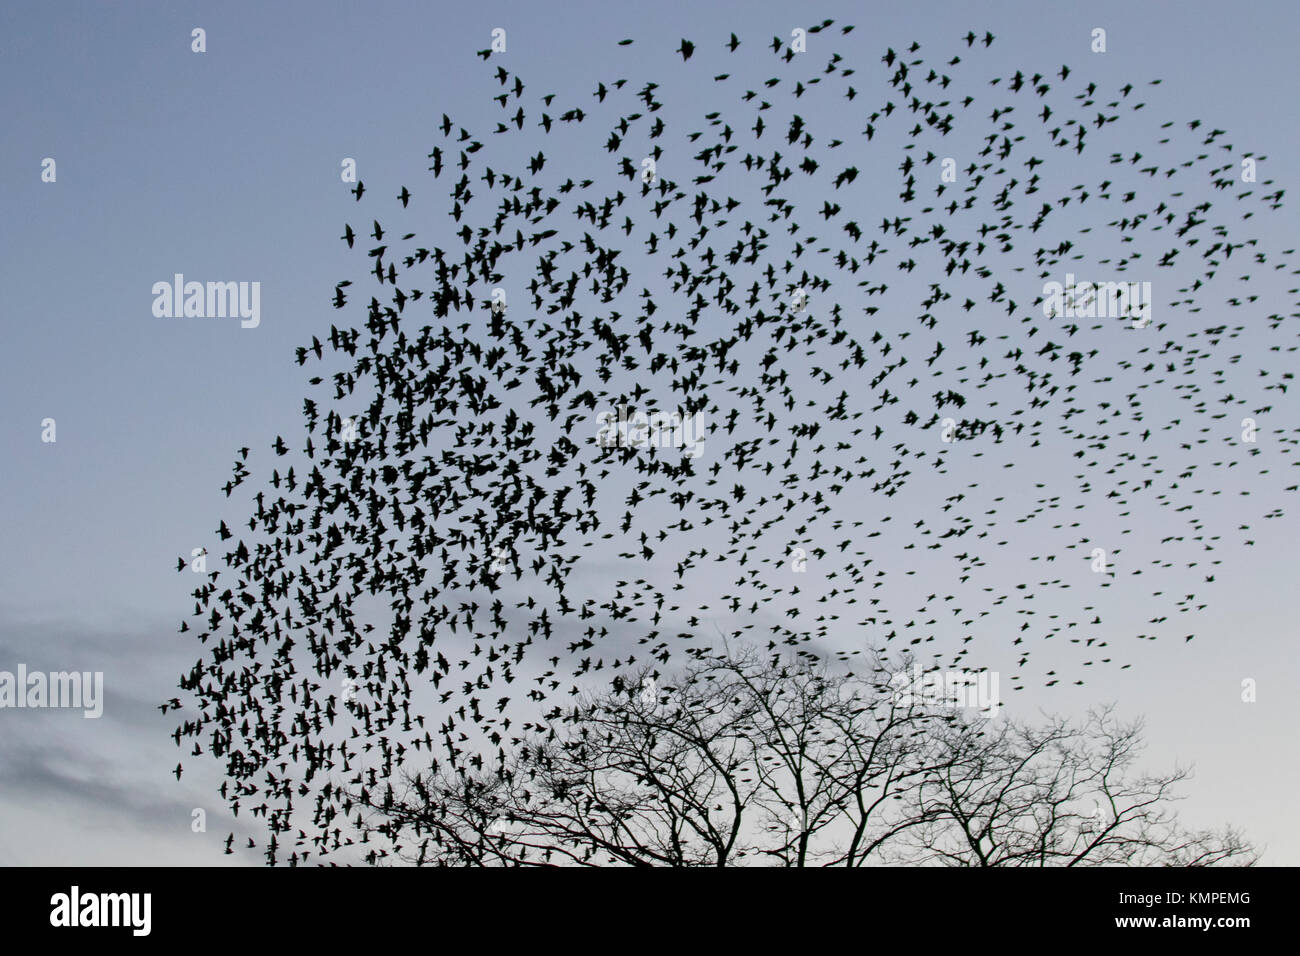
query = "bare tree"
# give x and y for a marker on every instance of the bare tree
(1060, 794)
(747, 759)
(741, 759)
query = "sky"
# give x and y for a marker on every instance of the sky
(224, 165)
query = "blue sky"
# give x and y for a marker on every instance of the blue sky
(225, 166)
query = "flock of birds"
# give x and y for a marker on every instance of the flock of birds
(450, 554)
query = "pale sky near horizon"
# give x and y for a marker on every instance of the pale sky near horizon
(224, 166)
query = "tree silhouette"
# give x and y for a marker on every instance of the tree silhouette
(747, 759)
(1064, 793)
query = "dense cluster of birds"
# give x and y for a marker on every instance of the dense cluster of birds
(889, 414)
